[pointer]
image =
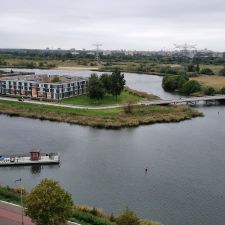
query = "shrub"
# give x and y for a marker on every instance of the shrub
(89, 218)
(222, 90)
(129, 107)
(191, 86)
(127, 218)
(168, 70)
(222, 72)
(209, 91)
(55, 79)
(181, 80)
(169, 83)
(207, 71)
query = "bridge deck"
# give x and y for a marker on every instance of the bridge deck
(184, 100)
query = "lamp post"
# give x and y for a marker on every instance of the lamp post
(21, 198)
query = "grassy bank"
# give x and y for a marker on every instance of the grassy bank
(84, 215)
(128, 95)
(10, 194)
(105, 118)
(217, 82)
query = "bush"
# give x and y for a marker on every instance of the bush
(222, 90)
(209, 91)
(222, 72)
(191, 86)
(207, 71)
(172, 83)
(9, 194)
(89, 218)
(168, 70)
(169, 83)
(127, 218)
(55, 79)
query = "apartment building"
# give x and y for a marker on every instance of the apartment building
(43, 86)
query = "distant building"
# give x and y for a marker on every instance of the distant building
(43, 86)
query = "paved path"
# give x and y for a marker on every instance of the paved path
(157, 102)
(62, 105)
(10, 214)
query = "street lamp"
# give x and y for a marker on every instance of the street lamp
(21, 197)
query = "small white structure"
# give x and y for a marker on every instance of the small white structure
(35, 158)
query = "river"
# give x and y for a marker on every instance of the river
(185, 183)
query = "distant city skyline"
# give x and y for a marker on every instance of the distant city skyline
(140, 25)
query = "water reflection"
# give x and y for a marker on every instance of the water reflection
(36, 169)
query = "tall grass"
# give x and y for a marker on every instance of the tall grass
(9, 194)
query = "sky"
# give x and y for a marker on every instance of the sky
(117, 24)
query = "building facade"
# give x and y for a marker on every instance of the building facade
(43, 86)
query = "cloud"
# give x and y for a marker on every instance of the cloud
(136, 24)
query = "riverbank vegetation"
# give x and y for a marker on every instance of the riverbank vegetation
(103, 118)
(197, 86)
(59, 210)
(10, 194)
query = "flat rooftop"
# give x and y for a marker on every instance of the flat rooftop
(55, 79)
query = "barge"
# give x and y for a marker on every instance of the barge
(35, 158)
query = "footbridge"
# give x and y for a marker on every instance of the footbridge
(191, 100)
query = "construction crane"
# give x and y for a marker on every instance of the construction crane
(97, 45)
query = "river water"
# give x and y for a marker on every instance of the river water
(185, 183)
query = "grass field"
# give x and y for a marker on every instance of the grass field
(105, 118)
(107, 100)
(128, 95)
(216, 82)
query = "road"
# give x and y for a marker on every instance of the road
(10, 214)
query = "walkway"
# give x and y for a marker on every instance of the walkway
(10, 214)
(158, 102)
(184, 100)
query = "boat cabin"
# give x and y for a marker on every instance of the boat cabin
(35, 155)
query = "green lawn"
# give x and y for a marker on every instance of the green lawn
(107, 100)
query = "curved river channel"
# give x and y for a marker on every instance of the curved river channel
(185, 183)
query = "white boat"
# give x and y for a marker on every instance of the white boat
(35, 158)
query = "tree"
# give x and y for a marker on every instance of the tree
(197, 68)
(127, 218)
(191, 86)
(95, 87)
(117, 82)
(106, 81)
(49, 204)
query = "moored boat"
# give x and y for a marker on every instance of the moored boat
(35, 158)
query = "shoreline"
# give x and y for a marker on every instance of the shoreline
(106, 118)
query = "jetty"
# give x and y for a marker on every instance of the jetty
(35, 158)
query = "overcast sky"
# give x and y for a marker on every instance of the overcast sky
(117, 24)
